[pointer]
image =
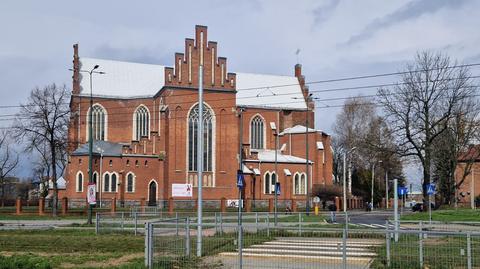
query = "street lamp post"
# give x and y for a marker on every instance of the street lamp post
(472, 190)
(273, 126)
(386, 188)
(307, 206)
(200, 161)
(90, 136)
(100, 177)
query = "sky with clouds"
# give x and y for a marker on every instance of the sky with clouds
(336, 38)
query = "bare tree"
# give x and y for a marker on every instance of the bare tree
(358, 125)
(419, 108)
(8, 162)
(44, 120)
(455, 147)
(42, 168)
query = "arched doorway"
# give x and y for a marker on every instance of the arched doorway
(152, 193)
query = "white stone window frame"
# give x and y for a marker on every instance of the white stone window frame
(302, 182)
(271, 184)
(148, 189)
(264, 131)
(133, 182)
(135, 132)
(77, 189)
(214, 145)
(105, 123)
(95, 174)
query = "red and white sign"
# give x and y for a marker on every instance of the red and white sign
(182, 190)
(91, 194)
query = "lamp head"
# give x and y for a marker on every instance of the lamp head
(95, 67)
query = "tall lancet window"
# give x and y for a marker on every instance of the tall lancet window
(257, 132)
(99, 122)
(208, 126)
(141, 122)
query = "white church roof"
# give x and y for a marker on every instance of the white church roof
(137, 80)
(297, 129)
(122, 79)
(269, 91)
(268, 156)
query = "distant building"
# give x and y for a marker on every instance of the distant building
(145, 121)
(468, 164)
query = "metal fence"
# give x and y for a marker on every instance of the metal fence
(133, 221)
(171, 243)
(125, 222)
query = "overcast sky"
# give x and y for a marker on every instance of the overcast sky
(336, 38)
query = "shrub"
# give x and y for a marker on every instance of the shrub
(24, 262)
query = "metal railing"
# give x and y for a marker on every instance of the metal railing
(170, 243)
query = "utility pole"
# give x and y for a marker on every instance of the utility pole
(307, 206)
(240, 201)
(386, 188)
(90, 134)
(395, 206)
(472, 191)
(276, 174)
(200, 160)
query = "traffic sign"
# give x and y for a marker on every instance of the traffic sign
(402, 190)
(277, 188)
(431, 188)
(316, 199)
(240, 179)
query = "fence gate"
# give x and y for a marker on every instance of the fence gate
(167, 243)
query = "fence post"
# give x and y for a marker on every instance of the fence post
(221, 222)
(187, 238)
(299, 223)
(240, 246)
(123, 219)
(420, 248)
(387, 238)
(256, 222)
(216, 226)
(268, 224)
(344, 250)
(148, 245)
(135, 218)
(346, 222)
(176, 225)
(469, 251)
(97, 222)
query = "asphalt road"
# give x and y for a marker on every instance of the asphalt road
(363, 217)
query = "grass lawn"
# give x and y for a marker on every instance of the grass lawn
(446, 215)
(438, 252)
(69, 249)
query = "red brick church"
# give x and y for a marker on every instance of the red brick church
(145, 120)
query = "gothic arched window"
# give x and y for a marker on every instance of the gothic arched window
(270, 180)
(257, 133)
(130, 183)
(106, 182)
(113, 186)
(99, 122)
(79, 182)
(208, 126)
(141, 122)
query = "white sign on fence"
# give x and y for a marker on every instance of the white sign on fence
(182, 190)
(233, 203)
(91, 194)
